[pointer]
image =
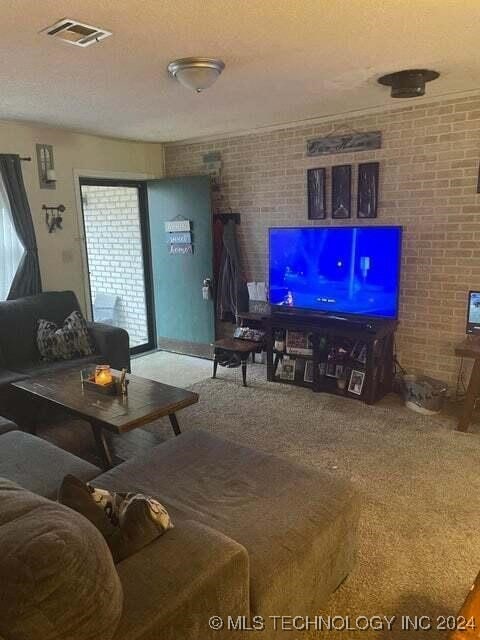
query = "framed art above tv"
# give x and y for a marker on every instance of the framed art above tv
(342, 191)
(317, 201)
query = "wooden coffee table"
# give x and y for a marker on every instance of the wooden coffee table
(147, 400)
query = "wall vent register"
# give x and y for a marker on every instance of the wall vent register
(77, 33)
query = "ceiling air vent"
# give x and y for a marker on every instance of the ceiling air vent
(77, 33)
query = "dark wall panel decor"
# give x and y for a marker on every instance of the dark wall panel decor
(367, 202)
(317, 203)
(341, 191)
(349, 142)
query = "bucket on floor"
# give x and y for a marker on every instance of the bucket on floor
(423, 394)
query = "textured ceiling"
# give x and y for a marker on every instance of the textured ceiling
(286, 60)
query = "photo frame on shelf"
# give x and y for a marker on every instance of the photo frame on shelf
(362, 356)
(357, 347)
(287, 368)
(298, 343)
(342, 191)
(308, 373)
(357, 380)
(359, 352)
(316, 187)
(330, 369)
(367, 195)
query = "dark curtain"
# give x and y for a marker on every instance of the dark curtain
(27, 280)
(232, 293)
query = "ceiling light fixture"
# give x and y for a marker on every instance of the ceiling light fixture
(409, 83)
(196, 73)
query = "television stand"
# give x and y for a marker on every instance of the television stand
(345, 356)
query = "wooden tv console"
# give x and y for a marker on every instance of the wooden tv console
(336, 341)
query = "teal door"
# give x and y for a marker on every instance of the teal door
(185, 321)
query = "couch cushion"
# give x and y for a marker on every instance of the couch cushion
(18, 319)
(57, 578)
(298, 525)
(187, 576)
(6, 426)
(39, 466)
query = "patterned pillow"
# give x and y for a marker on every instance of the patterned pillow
(70, 341)
(128, 521)
(76, 323)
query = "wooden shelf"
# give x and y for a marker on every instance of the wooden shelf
(293, 356)
(377, 336)
(296, 383)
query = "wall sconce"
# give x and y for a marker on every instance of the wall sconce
(46, 167)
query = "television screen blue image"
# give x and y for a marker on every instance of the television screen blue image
(338, 270)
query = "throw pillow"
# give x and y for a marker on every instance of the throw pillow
(75, 323)
(57, 577)
(128, 521)
(69, 341)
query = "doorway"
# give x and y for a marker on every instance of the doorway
(182, 257)
(117, 243)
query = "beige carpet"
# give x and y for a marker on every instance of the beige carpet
(419, 478)
(420, 481)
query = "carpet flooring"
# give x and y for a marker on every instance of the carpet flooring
(418, 477)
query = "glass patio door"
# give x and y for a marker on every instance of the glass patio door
(117, 247)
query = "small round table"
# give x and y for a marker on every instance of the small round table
(241, 348)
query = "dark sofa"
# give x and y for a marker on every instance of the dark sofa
(19, 356)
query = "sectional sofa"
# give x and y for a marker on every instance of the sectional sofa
(254, 535)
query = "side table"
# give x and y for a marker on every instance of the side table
(241, 348)
(470, 348)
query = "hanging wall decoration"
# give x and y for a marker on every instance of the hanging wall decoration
(179, 236)
(316, 182)
(341, 191)
(346, 143)
(177, 224)
(367, 201)
(54, 217)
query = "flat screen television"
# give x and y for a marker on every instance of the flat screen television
(337, 270)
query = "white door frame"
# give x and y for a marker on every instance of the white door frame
(81, 238)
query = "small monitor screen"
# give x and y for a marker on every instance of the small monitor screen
(473, 313)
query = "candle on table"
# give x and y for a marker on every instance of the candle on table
(103, 375)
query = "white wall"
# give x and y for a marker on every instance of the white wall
(61, 252)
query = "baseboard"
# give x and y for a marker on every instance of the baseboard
(196, 349)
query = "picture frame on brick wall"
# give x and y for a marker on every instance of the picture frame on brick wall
(317, 200)
(342, 191)
(367, 194)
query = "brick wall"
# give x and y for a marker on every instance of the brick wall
(429, 165)
(115, 257)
